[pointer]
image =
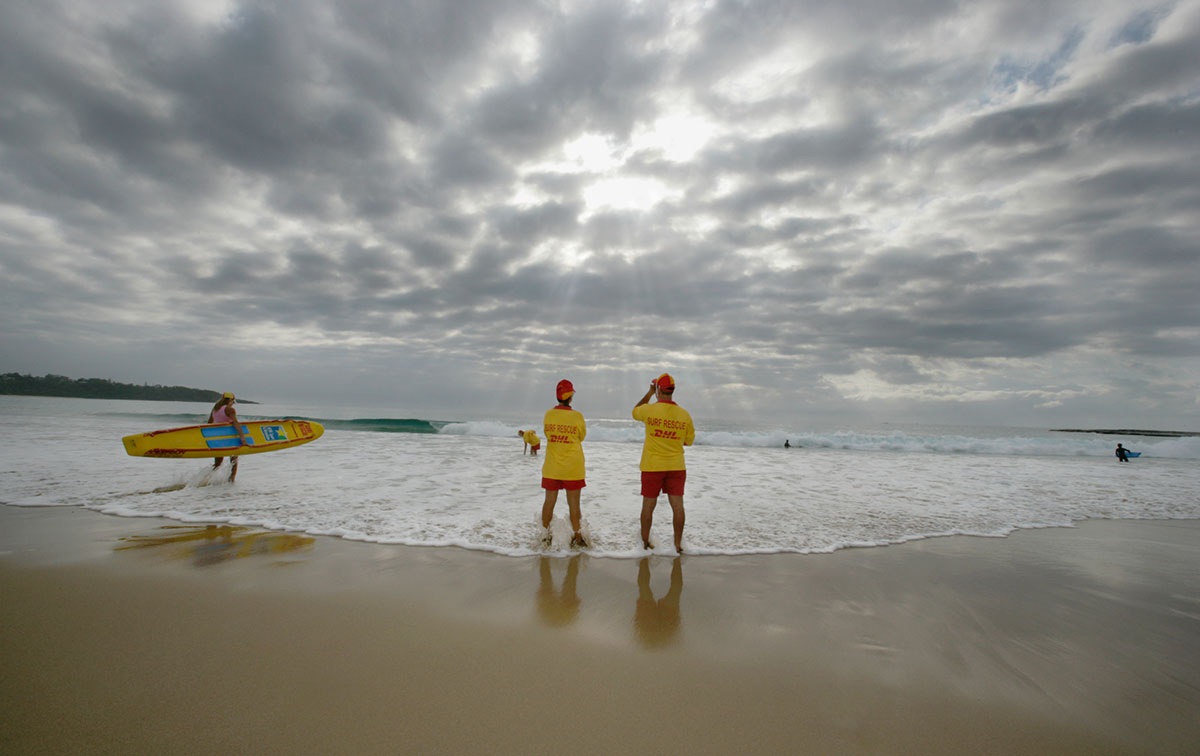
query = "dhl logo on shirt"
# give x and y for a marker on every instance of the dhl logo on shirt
(561, 434)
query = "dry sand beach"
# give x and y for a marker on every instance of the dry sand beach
(140, 635)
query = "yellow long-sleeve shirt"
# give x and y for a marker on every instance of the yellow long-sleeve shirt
(565, 430)
(669, 428)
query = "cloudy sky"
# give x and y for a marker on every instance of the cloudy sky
(861, 211)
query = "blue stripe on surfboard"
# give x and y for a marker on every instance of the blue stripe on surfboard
(228, 443)
(222, 430)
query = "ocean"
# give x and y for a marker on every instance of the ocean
(465, 483)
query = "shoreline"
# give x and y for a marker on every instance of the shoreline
(138, 635)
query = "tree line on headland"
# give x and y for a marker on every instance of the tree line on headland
(1127, 432)
(101, 388)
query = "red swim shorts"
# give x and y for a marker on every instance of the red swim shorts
(669, 482)
(537, 446)
(551, 484)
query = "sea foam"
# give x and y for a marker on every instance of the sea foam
(468, 485)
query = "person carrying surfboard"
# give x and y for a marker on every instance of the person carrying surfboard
(563, 469)
(1121, 456)
(223, 413)
(669, 428)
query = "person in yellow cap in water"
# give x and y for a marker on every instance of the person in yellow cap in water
(669, 428)
(564, 467)
(223, 412)
(531, 440)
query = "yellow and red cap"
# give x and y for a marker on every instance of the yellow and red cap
(565, 390)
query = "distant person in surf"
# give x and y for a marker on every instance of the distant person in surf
(224, 413)
(532, 442)
(1121, 453)
(787, 444)
(563, 469)
(669, 428)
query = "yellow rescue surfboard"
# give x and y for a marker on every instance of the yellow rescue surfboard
(222, 440)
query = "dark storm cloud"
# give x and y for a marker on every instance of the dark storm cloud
(894, 270)
(1029, 125)
(1168, 182)
(595, 71)
(1157, 249)
(923, 191)
(547, 221)
(460, 160)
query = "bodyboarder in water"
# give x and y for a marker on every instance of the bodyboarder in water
(563, 469)
(1121, 456)
(223, 412)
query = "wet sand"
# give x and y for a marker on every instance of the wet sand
(132, 636)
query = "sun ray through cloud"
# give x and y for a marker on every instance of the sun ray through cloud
(827, 207)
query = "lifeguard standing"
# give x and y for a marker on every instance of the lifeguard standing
(563, 469)
(669, 428)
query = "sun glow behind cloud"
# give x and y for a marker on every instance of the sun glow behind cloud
(601, 157)
(626, 193)
(592, 153)
(678, 137)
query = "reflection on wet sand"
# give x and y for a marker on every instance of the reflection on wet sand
(656, 622)
(558, 608)
(213, 544)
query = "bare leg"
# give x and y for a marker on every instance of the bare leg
(548, 507)
(576, 517)
(573, 506)
(648, 505)
(233, 464)
(677, 511)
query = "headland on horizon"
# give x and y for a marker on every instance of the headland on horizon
(1128, 432)
(102, 388)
